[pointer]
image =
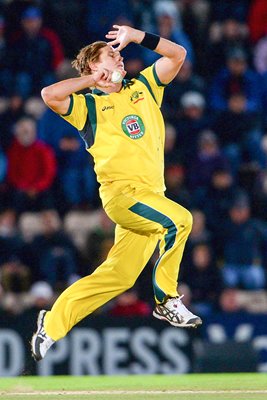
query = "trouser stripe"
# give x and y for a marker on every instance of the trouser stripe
(153, 215)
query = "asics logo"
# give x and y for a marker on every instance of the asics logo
(107, 108)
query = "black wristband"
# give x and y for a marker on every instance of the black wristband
(150, 41)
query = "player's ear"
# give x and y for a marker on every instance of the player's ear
(92, 66)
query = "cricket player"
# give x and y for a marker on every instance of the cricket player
(123, 129)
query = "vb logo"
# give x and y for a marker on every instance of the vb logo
(133, 126)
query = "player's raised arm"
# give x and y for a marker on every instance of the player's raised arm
(173, 55)
(57, 96)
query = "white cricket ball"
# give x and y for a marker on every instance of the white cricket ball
(116, 77)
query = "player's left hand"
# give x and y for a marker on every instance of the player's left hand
(122, 36)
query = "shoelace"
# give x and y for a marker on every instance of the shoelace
(47, 340)
(175, 301)
(178, 306)
(42, 333)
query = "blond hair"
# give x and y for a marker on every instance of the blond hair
(86, 55)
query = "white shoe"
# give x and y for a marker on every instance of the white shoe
(40, 342)
(175, 312)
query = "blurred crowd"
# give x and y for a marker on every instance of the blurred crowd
(52, 227)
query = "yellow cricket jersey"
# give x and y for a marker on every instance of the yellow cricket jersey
(125, 133)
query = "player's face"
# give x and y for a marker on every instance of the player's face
(111, 60)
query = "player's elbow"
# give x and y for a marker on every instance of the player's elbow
(181, 53)
(54, 100)
(47, 95)
(178, 55)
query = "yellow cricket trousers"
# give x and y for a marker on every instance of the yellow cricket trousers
(143, 218)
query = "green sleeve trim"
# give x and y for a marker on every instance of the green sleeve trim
(143, 79)
(158, 82)
(90, 103)
(70, 107)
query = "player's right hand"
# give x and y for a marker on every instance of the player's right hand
(102, 78)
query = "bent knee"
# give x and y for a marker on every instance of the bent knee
(188, 219)
(184, 218)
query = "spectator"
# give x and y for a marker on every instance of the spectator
(237, 9)
(216, 199)
(175, 185)
(128, 304)
(168, 26)
(15, 284)
(260, 55)
(5, 75)
(52, 128)
(247, 176)
(232, 35)
(198, 234)
(185, 81)
(31, 169)
(41, 294)
(264, 98)
(194, 119)
(208, 158)
(170, 151)
(8, 119)
(54, 253)
(3, 171)
(102, 14)
(75, 174)
(229, 302)
(236, 300)
(202, 276)
(242, 268)
(35, 54)
(76, 177)
(259, 196)
(66, 17)
(236, 78)
(34, 107)
(240, 132)
(195, 19)
(11, 242)
(257, 19)
(143, 15)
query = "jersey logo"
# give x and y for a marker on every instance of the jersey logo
(137, 96)
(107, 108)
(133, 126)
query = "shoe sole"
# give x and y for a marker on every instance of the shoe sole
(196, 324)
(40, 318)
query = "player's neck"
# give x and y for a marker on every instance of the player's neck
(115, 89)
